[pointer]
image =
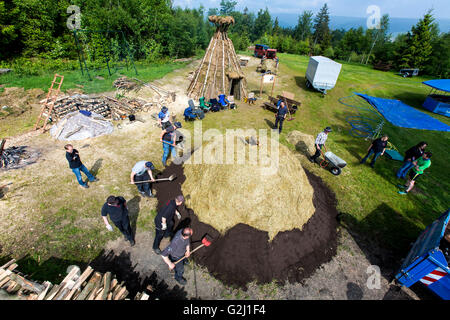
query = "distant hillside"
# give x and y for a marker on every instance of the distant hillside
(397, 25)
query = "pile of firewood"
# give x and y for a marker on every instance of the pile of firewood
(89, 285)
(107, 107)
(162, 97)
(126, 84)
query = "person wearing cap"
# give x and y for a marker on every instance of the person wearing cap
(320, 142)
(142, 171)
(164, 221)
(164, 118)
(168, 138)
(280, 116)
(117, 209)
(377, 148)
(420, 165)
(179, 247)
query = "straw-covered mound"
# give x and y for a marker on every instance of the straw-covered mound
(267, 194)
(303, 142)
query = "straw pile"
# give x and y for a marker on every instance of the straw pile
(303, 142)
(265, 196)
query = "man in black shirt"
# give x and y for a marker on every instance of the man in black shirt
(377, 148)
(280, 116)
(164, 221)
(117, 209)
(77, 166)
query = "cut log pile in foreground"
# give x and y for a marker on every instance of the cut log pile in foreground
(89, 285)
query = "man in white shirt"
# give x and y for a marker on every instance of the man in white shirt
(164, 118)
(319, 143)
(142, 171)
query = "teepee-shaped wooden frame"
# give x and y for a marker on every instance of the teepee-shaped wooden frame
(219, 71)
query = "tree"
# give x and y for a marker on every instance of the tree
(322, 34)
(227, 7)
(304, 26)
(263, 24)
(419, 48)
(276, 27)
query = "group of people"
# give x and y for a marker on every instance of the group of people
(415, 162)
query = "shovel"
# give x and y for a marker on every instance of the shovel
(171, 178)
(206, 242)
(178, 147)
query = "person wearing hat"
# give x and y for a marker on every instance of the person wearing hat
(117, 209)
(164, 221)
(179, 247)
(280, 115)
(320, 142)
(164, 118)
(168, 138)
(142, 171)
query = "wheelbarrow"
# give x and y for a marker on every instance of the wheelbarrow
(333, 162)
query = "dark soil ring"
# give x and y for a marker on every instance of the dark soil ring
(243, 254)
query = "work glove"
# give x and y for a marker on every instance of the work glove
(108, 226)
(163, 226)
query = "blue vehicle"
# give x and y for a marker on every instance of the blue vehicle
(428, 258)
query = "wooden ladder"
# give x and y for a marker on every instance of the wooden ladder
(49, 103)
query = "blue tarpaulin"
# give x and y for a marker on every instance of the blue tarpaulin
(439, 84)
(402, 115)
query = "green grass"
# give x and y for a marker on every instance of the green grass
(66, 227)
(73, 79)
(367, 199)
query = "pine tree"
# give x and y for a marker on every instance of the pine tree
(227, 7)
(304, 26)
(322, 33)
(419, 47)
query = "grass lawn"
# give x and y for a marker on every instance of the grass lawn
(50, 220)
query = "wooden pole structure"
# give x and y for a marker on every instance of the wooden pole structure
(273, 84)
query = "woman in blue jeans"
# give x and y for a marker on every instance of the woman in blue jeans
(73, 157)
(411, 156)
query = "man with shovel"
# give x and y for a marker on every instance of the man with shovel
(142, 171)
(168, 138)
(164, 221)
(179, 247)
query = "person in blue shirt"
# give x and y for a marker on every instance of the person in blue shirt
(164, 118)
(168, 138)
(280, 115)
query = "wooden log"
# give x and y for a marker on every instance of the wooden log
(144, 296)
(4, 274)
(61, 294)
(10, 262)
(4, 281)
(100, 295)
(121, 294)
(42, 295)
(96, 286)
(26, 284)
(13, 266)
(110, 296)
(53, 292)
(89, 287)
(106, 285)
(79, 282)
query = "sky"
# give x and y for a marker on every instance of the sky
(347, 8)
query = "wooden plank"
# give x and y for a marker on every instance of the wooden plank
(89, 286)
(53, 292)
(120, 293)
(4, 281)
(6, 265)
(42, 295)
(144, 296)
(110, 296)
(26, 284)
(13, 266)
(100, 295)
(6, 273)
(106, 284)
(79, 282)
(96, 285)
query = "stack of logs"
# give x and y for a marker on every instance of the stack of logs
(109, 108)
(89, 285)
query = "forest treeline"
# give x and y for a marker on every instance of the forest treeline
(156, 30)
